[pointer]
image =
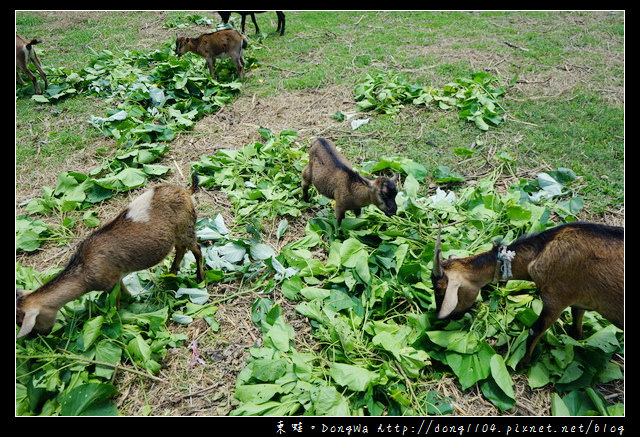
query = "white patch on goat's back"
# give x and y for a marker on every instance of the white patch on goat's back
(140, 209)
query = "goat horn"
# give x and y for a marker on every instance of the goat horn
(437, 255)
(28, 322)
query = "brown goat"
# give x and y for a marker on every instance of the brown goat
(211, 46)
(330, 172)
(577, 265)
(224, 15)
(138, 238)
(25, 53)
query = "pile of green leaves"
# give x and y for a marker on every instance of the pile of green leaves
(159, 94)
(477, 98)
(370, 302)
(262, 179)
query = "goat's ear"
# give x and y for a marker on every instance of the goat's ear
(450, 299)
(372, 184)
(28, 322)
(395, 177)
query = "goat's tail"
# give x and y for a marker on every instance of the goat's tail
(33, 42)
(244, 42)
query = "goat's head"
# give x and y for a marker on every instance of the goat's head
(181, 45)
(385, 191)
(455, 283)
(31, 316)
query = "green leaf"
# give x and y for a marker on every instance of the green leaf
(471, 368)
(456, 341)
(282, 227)
(257, 393)
(329, 402)
(107, 352)
(443, 174)
(28, 241)
(261, 251)
(279, 336)
(39, 98)
(268, 370)
(157, 96)
(351, 252)
(558, 407)
(353, 377)
(91, 399)
(604, 339)
(501, 375)
(196, 295)
(91, 331)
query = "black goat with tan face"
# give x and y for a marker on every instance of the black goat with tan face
(577, 265)
(330, 172)
(138, 238)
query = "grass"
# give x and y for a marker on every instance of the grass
(577, 125)
(566, 111)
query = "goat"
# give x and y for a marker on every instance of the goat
(138, 238)
(579, 264)
(330, 172)
(226, 43)
(224, 15)
(25, 53)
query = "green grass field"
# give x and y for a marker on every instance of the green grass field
(563, 107)
(573, 117)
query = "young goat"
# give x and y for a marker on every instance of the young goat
(330, 172)
(25, 53)
(226, 14)
(211, 46)
(138, 238)
(580, 265)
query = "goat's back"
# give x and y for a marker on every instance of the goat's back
(222, 41)
(139, 237)
(329, 170)
(583, 263)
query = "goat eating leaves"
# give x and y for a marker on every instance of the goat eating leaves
(138, 238)
(211, 46)
(330, 172)
(577, 265)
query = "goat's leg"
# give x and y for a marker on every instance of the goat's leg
(197, 253)
(211, 63)
(577, 314)
(34, 79)
(281, 22)
(175, 266)
(255, 23)
(340, 211)
(239, 63)
(244, 18)
(36, 62)
(549, 314)
(306, 181)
